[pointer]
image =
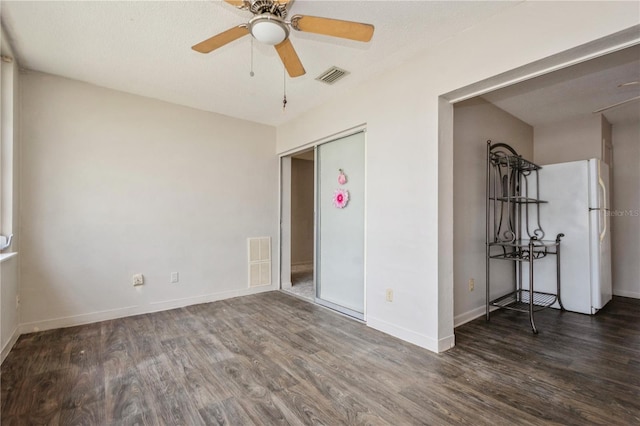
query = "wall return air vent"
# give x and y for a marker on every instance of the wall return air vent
(259, 261)
(332, 75)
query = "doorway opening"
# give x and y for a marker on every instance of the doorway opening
(302, 224)
(578, 112)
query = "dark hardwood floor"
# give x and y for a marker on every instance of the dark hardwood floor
(275, 359)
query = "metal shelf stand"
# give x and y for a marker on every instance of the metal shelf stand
(513, 231)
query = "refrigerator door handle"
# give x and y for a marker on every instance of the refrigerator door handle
(604, 204)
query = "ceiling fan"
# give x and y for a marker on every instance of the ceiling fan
(269, 26)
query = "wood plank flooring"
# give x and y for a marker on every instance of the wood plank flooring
(275, 359)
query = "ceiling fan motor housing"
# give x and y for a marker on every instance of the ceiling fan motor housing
(259, 7)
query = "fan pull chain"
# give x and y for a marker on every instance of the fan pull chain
(251, 72)
(284, 85)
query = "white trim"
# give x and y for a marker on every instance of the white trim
(446, 343)
(316, 252)
(7, 256)
(465, 317)
(136, 310)
(411, 336)
(335, 136)
(364, 224)
(556, 66)
(9, 345)
(626, 293)
(278, 256)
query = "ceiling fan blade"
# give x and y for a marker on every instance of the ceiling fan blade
(333, 27)
(290, 59)
(236, 3)
(221, 39)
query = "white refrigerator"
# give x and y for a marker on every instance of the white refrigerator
(577, 195)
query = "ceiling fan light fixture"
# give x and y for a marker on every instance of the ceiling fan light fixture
(268, 29)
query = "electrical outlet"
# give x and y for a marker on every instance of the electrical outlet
(138, 279)
(17, 302)
(174, 278)
(389, 295)
(472, 284)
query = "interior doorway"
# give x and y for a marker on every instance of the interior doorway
(574, 113)
(302, 224)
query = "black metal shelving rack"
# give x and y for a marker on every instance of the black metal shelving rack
(514, 232)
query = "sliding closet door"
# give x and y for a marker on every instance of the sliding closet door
(340, 233)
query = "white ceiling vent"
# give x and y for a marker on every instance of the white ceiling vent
(332, 75)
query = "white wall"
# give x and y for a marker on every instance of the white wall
(625, 219)
(302, 193)
(10, 153)
(115, 184)
(474, 122)
(572, 140)
(409, 157)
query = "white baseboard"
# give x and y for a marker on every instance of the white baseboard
(465, 317)
(286, 285)
(446, 343)
(93, 317)
(625, 293)
(9, 345)
(411, 336)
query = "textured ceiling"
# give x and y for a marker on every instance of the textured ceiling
(144, 47)
(577, 91)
